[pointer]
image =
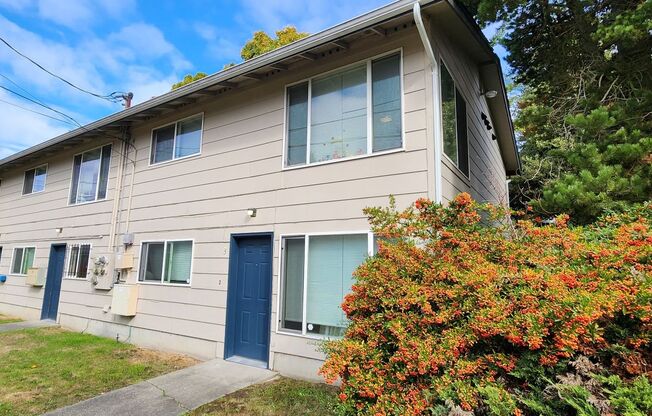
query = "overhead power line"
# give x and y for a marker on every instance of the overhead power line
(41, 104)
(36, 112)
(114, 97)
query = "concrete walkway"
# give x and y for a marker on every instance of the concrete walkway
(26, 325)
(171, 394)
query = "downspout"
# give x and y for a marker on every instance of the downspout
(434, 66)
(117, 196)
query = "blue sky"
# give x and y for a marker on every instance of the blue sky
(128, 45)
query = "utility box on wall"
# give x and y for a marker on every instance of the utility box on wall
(125, 299)
(35, 276)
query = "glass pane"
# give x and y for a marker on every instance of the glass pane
(75, 178)
(73, 256)
(297, 124)
(82, 264)
(188, 137)
(151, 263)
(448, 114)
(386, 96)
(88, 176)
(293, 283)
(178, 261)
(28, 185)
(28, 259)
(462, 141)
(39, 179)
(104, 171)
(163, 144)
(331, 262)
(338, 126)
(18, 261)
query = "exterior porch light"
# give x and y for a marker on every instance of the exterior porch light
(58, 230)
(489, 94)
(251, 212)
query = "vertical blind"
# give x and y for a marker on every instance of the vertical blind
(166, 262)
(178, 261)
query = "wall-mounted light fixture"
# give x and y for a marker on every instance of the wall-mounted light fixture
(58, 230)
(251, 212)
(489, 94)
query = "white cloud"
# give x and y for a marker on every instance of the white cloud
(81, 14)
(205, 31)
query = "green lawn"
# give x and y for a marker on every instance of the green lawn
(280, 397)
(4, 319)
(43, 369)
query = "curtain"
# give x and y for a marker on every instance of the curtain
(297, 124)
(386, 99)
(293, 283)
(338, 119)
(188, 137)
(178, 261)
(331, 262)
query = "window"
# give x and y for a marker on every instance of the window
(90, 175)
(35, 180)
(352, 112)
(166, 262)
(324, 279)
(177, 140)
(23, 259)
(78, 258)
(454, 122)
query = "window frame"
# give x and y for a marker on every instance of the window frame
(466, 176)
(370, 134)
(44, 182)
(13, 259)
(165, 249)
(174, 143)
(303, 333)
(67, 261)
(97, 191)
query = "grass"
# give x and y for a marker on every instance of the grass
(44, 369)
(4, 319)
(280, 397)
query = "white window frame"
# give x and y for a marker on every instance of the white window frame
(467, 177)
(67, 261)
(13, 259)
(370, 133)
(174, 144)
(281, 280)
(165, 252)
(44, 182)
(99, 169)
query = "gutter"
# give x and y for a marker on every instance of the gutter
(437, 110)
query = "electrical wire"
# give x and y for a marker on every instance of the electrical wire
(37, 112)
(114, 97)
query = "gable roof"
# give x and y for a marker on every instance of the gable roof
(374, 23)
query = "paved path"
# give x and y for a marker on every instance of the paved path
(25, 325)
(171, 394)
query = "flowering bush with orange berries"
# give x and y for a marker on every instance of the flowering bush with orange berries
(466, 311)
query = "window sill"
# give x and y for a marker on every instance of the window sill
(345, 159)
(17, 275)
(171, 161)
(164, 284)
(76, 279)
(307, 336)
(88, 202)
(32, 193)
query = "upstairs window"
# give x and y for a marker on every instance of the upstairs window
(35, 180)
(90, 175)
(317, 274)
(23, 259)
(177, 140)
(78, 258)
(454, 122)
(166, 262)
(352, 112)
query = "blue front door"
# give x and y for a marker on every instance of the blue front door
(250, 289)
(53, 282)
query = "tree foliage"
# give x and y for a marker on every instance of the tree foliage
(584, 119)
(461, 310)
(262, 43)
(188, 79)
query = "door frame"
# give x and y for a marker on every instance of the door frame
(47, 276)
(234, 248)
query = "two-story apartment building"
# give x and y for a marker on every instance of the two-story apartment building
(224, 219)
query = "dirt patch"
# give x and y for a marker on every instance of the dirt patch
(19, 396)
(143, 356)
